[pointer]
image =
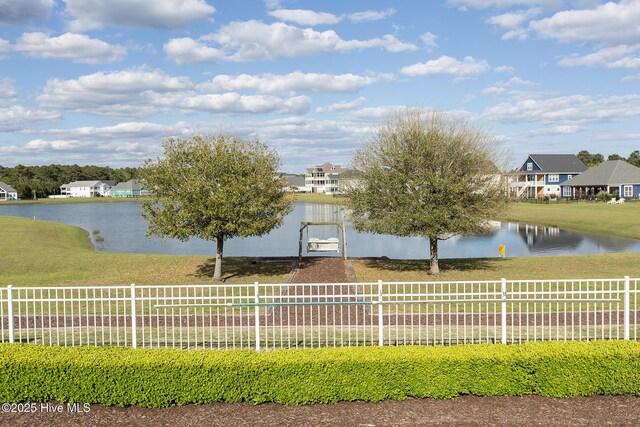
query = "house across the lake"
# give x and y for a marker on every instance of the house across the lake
(7, 192)
(131, 188)
(325, 178)
(615, 177)
(85, 189)
(541, 174)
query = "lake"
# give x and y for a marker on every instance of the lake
(123, 230)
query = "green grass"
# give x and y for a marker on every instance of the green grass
(317, 198)
(42, 253)
(616, 220)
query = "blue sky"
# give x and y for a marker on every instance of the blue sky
(107, 81)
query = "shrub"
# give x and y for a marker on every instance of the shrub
(164, 377)
(603, 196)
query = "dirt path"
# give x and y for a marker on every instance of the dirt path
(321, 270)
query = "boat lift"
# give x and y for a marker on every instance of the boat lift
(323, 245)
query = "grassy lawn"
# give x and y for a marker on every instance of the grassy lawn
(317, 198)
(42, 253)
(618, 220)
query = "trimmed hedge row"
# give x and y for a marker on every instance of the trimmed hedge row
(157, 378)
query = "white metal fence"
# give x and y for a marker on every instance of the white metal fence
(272, 316)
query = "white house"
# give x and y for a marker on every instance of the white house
(85, 189)
(324, 178)
(7, 192)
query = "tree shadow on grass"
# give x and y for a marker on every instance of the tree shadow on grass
(245, 267)
(461, 264)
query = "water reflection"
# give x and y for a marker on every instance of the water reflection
(123, 230)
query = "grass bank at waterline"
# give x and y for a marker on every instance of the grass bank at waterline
(42, 253)
(616, 220)
(166, 377)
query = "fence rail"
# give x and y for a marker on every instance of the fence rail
(272, 316)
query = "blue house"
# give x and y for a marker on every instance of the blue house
(541, 174)
(614, 177)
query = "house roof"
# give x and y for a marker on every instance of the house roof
(7, 188)
(327, 168)
(555, 163)
(295, 180)
(611, 172)
(81, 184)
(131, 185)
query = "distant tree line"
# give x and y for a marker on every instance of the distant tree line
(592, 160)
(42, 181)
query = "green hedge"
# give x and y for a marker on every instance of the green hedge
(156, 378)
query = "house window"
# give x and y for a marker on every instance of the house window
(569, 176)
(566, 191)
(529, 166)
(554, 178)
(628, 191)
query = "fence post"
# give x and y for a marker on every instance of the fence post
(503, 311)
(10, 313)
(380, 311)
(134, 323)
(625, 313)
(257, 314)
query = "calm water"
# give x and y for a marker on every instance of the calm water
(123, 229)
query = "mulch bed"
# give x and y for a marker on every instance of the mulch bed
(462, 411)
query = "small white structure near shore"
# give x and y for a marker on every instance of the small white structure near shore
(7, 192)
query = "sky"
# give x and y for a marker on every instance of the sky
(105, 82)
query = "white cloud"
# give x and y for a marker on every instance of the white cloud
(136, 92)
(608, 57)
(15, 117)
(305, 17)
(169, 14)
(515, 19)
(310, 17)
(504, 4)
(566, 109)
(607, 23)
(507, 69)
(5, 46)
(291, 83)
(500, 88)
(255, 40)
(371, 15)
(512, 23)
(429, 41)
(188, 51)
(555, 130)
(8, 91)
(342, 106)
(20, 12)
(75, 47)
(446, 65)
(234, 103)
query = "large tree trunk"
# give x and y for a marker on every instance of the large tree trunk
(433, 250)
(217, 272)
